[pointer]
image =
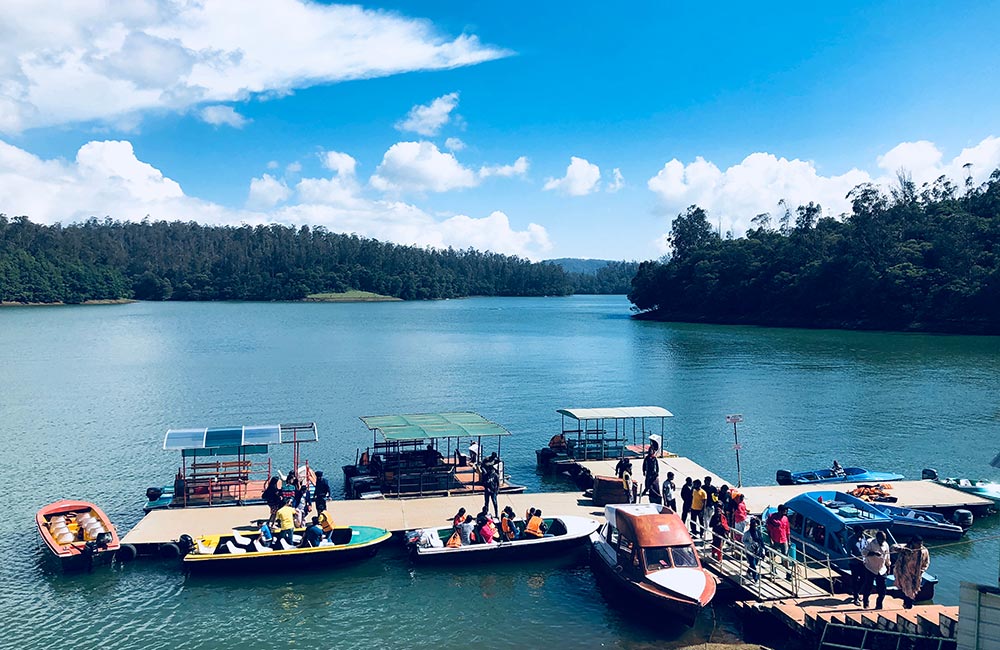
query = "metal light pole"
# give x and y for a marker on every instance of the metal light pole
(734, 420)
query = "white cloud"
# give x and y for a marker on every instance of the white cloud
(454, 144)
(272, 164)
(427, 119)
(756, 184)
(420, 167)
(293, 167)
(106, 179)
(581, 178)
(115, 59)
(518, 168)
(266, 192)
(617, 181)
(219, 115)
(341, 163)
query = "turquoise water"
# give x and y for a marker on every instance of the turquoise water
(89, 391)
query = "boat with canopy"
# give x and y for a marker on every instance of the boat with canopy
(603, 434)
(228, 465)
(422, 455)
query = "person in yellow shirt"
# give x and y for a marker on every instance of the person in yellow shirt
(698, 499)
(285, 518)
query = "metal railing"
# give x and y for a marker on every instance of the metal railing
(914, 640)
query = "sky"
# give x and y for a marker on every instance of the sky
(543, 130)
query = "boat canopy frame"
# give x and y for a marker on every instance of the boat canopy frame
(593, 432)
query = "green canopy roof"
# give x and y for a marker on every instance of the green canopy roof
(424, 426)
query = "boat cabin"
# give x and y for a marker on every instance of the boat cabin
(227, 464)
(425, 454)
(604, 433)
(648, 538)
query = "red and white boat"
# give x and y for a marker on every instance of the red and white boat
(646, 551)
(78, 533)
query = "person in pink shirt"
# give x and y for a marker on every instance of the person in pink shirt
(485, 530)
(779, 530)
(740, 517)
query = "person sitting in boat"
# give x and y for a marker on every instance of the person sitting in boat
(285, 522)
(484, 529)
(313, 535)
(558, 442)
(458, 519)
(466, 530)
(266, 537)
(326, 523)
(473, 453)
(837, 469)
(432, 456)
(536, 526)
(507, 525)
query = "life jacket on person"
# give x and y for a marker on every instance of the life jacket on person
(534, 527)
(454, 541)
(509, 530)
(326, 521)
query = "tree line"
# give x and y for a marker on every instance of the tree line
(924, 258)
(106, 260)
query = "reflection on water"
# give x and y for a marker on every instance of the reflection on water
(88, 393)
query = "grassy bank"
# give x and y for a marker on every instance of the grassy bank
(349, 296)
(116, 301)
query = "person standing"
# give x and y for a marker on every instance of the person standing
(720, 531)
(686, 490)
(272, 496)
(876, 559)
(698, 499)
(491, 487)
(912, 561)
(753, 541)
(322, 492)
(779, 532)
(740, 516)
(650, 470)
(669, 492)
(654, 493)
(712, 500)
(856, 548)
(286, 522)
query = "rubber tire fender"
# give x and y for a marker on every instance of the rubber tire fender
(126, 553)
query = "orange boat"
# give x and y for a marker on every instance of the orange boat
(78, 533)
(646, 551)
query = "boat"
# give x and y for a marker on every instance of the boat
(907, 522)
(601, 434)
(421, 455)
(78, 533)
(980, 488)
(218, 466)
(845, 475)
(822, 524)
(243, 551)
(645, 550)
(564, 532)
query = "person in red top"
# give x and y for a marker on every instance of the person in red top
(779, 530)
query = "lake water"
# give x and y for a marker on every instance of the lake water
(87, 393)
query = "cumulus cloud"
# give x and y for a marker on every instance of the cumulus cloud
(219, 115)
(340, 163)
(518, 168)
(454, 144)
(107, 179)
(428, 119)
(617, 181)
(582, 177)
(757, 183)
(115, 59)
(420, 167)
(266, 192)
(293, 167)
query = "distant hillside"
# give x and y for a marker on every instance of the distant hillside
(580, 265)
(604, 277)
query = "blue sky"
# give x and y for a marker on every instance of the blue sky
(295, 112)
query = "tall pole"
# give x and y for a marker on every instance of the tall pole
(734, 420)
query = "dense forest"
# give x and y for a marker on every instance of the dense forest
(923, 258)
(598, 276)
(102, 260)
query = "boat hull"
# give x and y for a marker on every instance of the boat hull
(578, 530)
(78, 554)
(824, 476)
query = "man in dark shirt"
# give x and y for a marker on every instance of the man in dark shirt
(712, 502)
(322, 492)
(651, 470)
(686, 499)
(314, 534)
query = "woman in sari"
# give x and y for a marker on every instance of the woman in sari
(912, 561)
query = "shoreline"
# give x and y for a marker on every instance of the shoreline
(109, 301)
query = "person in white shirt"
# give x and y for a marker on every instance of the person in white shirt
(876, 559)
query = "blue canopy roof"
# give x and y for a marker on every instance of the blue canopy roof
(239, 436)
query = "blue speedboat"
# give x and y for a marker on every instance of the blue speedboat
(844, 475)
(823, 523)
(907, 522)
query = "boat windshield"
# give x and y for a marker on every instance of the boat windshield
(684, 556)
(665, 557)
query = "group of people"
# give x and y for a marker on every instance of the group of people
(484, 529)
(871, 564)
(290, 503)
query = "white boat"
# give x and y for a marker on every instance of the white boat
(564, 531)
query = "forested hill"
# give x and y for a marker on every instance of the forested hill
(598, 276)
(913, 259)
(101, 260)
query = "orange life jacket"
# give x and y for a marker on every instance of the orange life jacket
(534, 527)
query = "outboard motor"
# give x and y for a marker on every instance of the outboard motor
(154, 493)
(783, 477)
(929, 474)
(963, 518)
(186, 544)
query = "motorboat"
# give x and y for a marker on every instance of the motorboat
(646, 551)
(822, 525)
(829, 475)
(562, 533)
(241, 551)
(602, 434)
(980, 488)
(78, 533)
(907, 522)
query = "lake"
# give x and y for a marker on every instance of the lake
(88, 393)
